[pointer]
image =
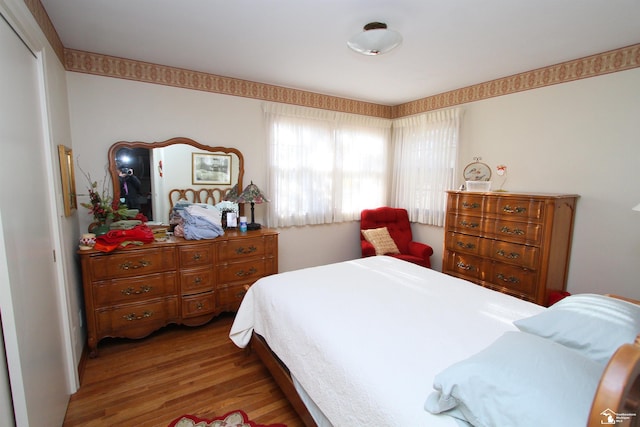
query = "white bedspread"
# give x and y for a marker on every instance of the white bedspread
(365, 338)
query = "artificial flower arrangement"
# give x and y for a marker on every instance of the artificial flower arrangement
(101, 205)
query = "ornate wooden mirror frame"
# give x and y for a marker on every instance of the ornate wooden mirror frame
(114, 165)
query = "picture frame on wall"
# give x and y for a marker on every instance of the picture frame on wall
(211, 169)
(67, 175)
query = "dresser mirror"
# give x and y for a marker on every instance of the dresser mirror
(167, 166)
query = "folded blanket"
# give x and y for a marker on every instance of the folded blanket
(201, 223)
(113, 239)
(125, 224)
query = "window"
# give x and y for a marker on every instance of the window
(324, 166)
(425, 152)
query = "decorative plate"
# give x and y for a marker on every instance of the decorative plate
(477, 171)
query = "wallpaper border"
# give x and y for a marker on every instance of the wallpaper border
(612, 61)
(111, 66)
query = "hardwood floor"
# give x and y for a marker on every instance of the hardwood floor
(176, 371)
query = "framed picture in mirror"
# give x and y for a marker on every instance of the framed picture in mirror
(68, 178)
(211, 169)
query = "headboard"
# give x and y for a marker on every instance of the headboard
(619, 388)
(210, 196)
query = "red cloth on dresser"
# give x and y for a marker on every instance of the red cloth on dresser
(115, 238)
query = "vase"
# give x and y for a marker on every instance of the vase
(98, 228)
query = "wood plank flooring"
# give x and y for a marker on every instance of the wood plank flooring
(176, 371)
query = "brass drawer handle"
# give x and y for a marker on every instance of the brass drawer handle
(243, 292)
(510, 255)
(132, 316)
(130, 265)
(466, 245)
(197, 280)
(242, 251)
(516, 210)
(468, 205)
(249, 272)
(510, 279)
(465, 267)
(131, 291)
(469, 224)
(199, 306)
(197, 257)
(516, 231)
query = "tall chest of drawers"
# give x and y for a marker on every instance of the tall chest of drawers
(134, 291)
(513, 243)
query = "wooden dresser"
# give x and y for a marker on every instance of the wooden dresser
(513, 243)
(136, 290)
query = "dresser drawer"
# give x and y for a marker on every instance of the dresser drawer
(197, 305)
(230, 297)
(196, 280)
(234, 250)
(136, 320)
(528, 209)
(247, 271)
(117, 291)
(473, 225)
(512, 279)
(196, 255)
(511, 253)
(518, 232)
(466, 266)
(132, 263)
(467, 203)
(463, 242)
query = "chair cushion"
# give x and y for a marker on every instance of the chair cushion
(396, 221)
(381, 241)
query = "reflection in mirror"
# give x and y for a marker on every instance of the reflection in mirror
(164, 167)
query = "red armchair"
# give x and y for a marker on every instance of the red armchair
(397, 223)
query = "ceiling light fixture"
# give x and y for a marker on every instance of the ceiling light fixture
(376, 39)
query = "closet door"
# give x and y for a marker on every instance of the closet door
(29, 309)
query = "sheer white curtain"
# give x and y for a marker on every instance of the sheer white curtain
(425, 151)
(324, 166)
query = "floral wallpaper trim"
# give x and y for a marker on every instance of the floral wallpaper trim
(595, 65)
(621, 59)
(45, 24)
(110, 66)
(612, 61)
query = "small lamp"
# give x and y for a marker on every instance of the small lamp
(232, 195)
(253, 195)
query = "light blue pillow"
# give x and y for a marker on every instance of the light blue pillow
(520, 380)
(595, 325)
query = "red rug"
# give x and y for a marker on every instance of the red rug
(233, 419)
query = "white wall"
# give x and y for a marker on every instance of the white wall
(106, 110)
(576, 138)
(579, 137)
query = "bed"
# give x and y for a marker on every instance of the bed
(381, 342)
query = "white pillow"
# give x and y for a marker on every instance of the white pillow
(595, 325)
(520, 380)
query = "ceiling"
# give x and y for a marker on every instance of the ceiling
(301, 44)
